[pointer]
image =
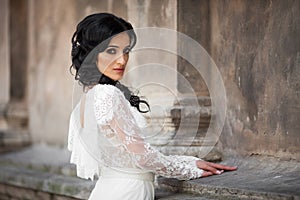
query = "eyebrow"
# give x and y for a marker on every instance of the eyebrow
(118, 46)
(114, 46)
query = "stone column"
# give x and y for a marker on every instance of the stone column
(13, 72)
(4, 61)
(194, 21)
(192, 114)
(152, 70)
(17, 108)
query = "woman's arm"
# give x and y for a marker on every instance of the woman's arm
(120, 119)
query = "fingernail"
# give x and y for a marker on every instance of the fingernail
(218, 172)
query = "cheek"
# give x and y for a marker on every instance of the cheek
(126, 57)
(104, 62)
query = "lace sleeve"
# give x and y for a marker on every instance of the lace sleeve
(111, 108)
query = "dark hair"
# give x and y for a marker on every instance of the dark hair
(93, 30)
(94, 33)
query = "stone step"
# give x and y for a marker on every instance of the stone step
(186, 99)
(185, 197)
(167, 195)
(68, 188)
(45, 182)
(40, 158)
(257, 177)
(12, 139)
(191, 116)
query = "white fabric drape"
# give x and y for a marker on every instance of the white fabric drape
(111, 137)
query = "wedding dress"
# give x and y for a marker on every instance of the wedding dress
(105, 140)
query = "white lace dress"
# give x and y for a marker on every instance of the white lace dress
(105, 140)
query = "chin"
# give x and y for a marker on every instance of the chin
(117, 78)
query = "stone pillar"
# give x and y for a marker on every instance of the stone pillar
(50, 84)
(13, 115)
(152, 70)
(17, 109)
(150, 65)
(192, 119)
(194, 21)
(4, 61)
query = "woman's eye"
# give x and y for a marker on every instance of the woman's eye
(111, 51)
(126, 51)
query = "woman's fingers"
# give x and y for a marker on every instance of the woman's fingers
(220, 166)
(213, 168)
(205, 174)
(205, 166)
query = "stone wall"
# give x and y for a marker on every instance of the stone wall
(194, 21)
(49, 81)
(4, 54)
(13, 70)
(4, 61)
(50, 30)
(256, 46)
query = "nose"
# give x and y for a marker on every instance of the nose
(122, 59)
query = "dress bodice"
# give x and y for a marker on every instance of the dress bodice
(110, 136)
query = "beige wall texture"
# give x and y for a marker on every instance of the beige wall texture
(4, 60)
(51, 25)
(255, 45)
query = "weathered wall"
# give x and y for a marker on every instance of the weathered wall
(194, 21)
(145, 66)
(256, 46)
(4, 54)
(4, 59)
(18, 41)
(51, 25)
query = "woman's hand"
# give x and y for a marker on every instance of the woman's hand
(213, 168)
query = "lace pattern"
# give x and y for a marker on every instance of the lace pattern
(112, 137)
(124, 125)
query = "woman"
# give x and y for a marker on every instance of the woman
(106, 125)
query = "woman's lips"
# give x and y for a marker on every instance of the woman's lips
(119, 69)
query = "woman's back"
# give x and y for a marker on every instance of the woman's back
(97, 141)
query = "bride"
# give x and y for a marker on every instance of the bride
(106, 125)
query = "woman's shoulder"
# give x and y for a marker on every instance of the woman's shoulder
(106, 90)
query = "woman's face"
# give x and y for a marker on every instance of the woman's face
(112, 61)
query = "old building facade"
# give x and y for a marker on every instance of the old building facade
(254, 44)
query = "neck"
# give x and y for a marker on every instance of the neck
(106, 80)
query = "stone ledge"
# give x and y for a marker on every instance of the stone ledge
(256, 178)
(24, 184)
(13, 139)
(185, 197)
(9, 192)
(46, 182)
